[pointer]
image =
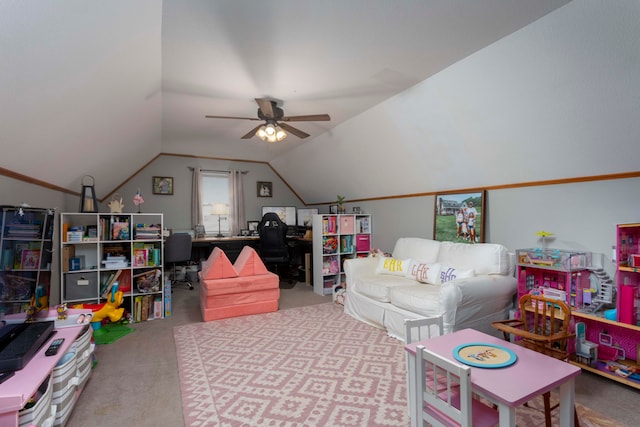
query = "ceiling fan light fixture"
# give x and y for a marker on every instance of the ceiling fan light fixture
(280, 134)
(262, 133)
(270, 130)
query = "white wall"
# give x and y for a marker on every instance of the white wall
(177, 208)
(557, 99)
(582, 216)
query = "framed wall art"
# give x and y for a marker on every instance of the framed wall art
(265, 189)
(460, 217)
(305, 216)
(252, 226)
(163, 185)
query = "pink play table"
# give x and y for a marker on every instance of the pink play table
(509, 387)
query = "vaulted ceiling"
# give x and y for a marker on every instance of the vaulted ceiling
(100, 88)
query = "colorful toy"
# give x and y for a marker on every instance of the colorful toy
(107, 309)
(62, 311)
(41, 299)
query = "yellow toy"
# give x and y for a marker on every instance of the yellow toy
(107, 309)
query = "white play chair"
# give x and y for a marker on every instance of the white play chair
(453, 406)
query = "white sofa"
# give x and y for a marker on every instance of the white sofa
(470, 285)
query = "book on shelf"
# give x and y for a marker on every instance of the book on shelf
(147, 232)
(113, 262)
(346, 244)
(111, 280)
(120, 231)
(329, 225)
(157, 308)
(140, 257)
(30, 259)
(146, 306)
(363, 225)
(137, 308)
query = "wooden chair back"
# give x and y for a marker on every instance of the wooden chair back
(543, 325)
(423, 328)
(453, 406)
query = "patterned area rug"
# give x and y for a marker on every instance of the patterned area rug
(301, 367)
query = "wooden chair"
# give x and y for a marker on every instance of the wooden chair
(453, 406)
(543, 327)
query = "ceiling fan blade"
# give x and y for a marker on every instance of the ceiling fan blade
(309, 118)
(266, 107)
(251, 133)
(231, 117)
(296, 132)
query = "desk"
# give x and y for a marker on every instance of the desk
(232, 246)
(532, 375)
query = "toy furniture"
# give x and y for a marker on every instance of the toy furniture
(453, 404)
(56, 381)
(469, 285)
(608, 341)
(419, 330)
(232, 290)
(543, 327)
(509, 386)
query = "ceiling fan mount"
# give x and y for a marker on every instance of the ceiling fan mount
(271, 114)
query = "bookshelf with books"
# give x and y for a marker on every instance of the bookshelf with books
(337, 237)
(100, 252)
(26, 246)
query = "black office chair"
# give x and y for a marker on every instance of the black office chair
(177, 249)
(274, 248)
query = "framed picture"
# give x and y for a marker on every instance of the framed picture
(460, 217)
(253, 227)
(265, 189)
(163, 185)
(333, 209)
(244, 232)
(305, 217)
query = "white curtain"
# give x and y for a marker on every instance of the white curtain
(196, 197)
(236, 200)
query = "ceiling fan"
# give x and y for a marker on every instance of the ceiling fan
(274, 129)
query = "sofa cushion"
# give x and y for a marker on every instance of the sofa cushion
(217, 266)
(424, 250)
(249, 263)
(483, 258)
(377, 286)
(393, 266)
(448, 273)
(424, 272)
(420, 298)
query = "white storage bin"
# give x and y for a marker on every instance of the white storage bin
(65, 377)
(84, 349)
(37, 414)
(64, 406)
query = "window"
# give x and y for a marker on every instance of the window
(215, 191)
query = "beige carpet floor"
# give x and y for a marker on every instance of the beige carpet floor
(136, 381)
(303, 367)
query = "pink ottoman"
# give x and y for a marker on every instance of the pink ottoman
(243, 288)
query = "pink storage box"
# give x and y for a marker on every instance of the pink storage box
(363, 242)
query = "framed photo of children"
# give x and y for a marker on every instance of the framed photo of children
(460, 217)
(163, 185)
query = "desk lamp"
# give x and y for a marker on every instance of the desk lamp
(220, 209)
